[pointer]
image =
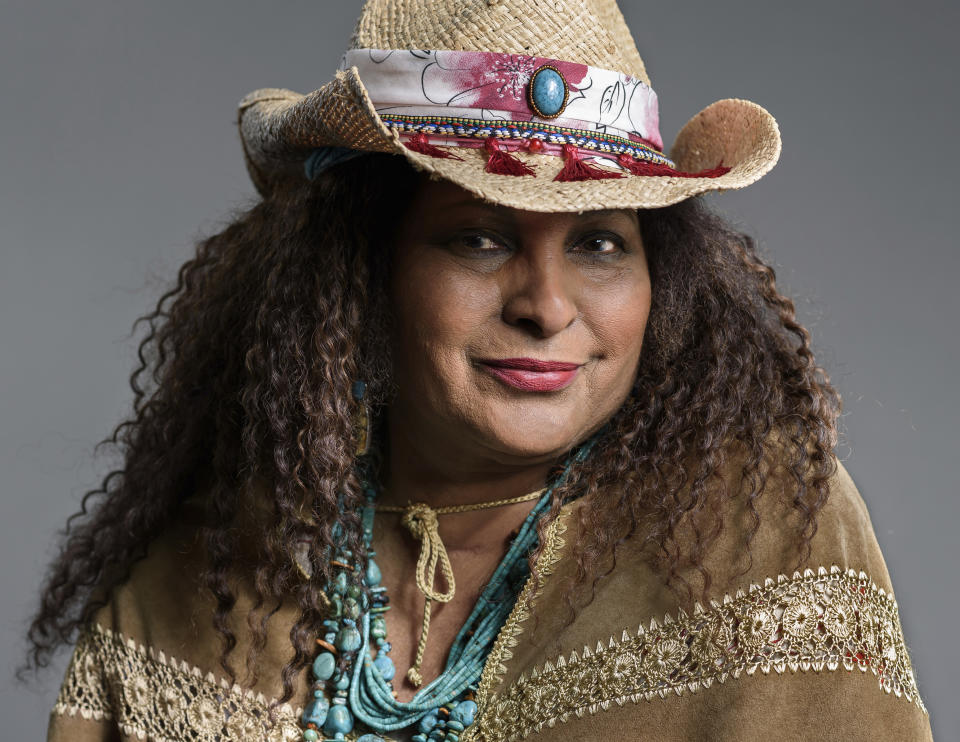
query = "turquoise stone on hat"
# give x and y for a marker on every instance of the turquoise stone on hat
(547, 92)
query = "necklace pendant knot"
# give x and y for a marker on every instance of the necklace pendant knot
(421, 520)
(414, 676)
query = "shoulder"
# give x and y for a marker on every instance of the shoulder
(788, 642)
(147, 664)
(771, 535)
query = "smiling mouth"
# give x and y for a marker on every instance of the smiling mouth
(531, 374)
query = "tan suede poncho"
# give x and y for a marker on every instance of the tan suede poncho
(775, 654)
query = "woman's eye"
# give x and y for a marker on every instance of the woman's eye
(601, 245)
(477, 242)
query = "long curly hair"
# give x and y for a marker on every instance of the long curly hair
(244, 379)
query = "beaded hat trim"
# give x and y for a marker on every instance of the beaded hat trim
(519, 135)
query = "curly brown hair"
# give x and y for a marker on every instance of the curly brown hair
(245, 375)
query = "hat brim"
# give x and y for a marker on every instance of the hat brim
(279, 128)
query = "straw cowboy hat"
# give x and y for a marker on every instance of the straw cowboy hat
(542, 105)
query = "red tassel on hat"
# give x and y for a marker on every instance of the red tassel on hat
(642, 167)
(420, 144)
(576, 168)
(501, 162)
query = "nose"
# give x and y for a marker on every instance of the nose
(539, 295)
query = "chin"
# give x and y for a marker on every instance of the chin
(535, 433)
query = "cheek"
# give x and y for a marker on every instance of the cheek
(437, 314)
(618, 318)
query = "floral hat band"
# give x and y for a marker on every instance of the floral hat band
(463, 98)
(479, 93)
(508, 102)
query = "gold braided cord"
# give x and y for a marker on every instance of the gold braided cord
(465, 508)
(421, 520)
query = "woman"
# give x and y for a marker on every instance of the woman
(530, 446)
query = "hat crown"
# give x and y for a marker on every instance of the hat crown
(590, 32)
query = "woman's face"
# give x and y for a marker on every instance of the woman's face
(517, 333)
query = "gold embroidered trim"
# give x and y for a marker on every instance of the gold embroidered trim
(494, 668)
(152, 696)
(824, 620)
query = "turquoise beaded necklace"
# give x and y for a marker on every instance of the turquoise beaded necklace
(358, 687)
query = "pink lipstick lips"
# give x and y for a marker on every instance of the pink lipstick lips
(530, 374)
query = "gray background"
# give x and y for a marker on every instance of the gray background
(118, 149)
